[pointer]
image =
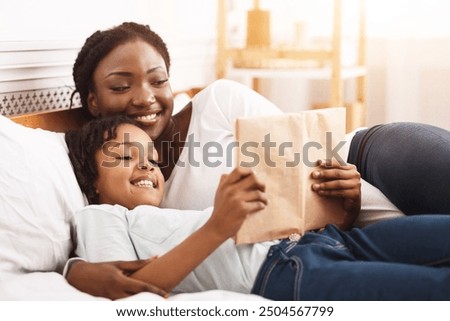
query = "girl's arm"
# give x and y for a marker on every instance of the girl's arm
(238, 195)
(344, 181)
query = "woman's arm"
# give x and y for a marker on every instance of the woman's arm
(336, 180)
(109, 279)
(238, 195)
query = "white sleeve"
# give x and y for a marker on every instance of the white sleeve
(375, 206)
(237, 100)
(69, 263)
(102, 234)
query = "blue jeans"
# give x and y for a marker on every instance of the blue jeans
(408, 162)
(400, 259)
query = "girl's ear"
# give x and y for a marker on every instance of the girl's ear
(92, 104)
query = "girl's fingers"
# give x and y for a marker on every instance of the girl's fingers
(237, 174)
(251, 182)
(255, 196)
(252, 207)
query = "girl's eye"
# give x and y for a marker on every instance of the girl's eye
(153, 162)
(126, 157)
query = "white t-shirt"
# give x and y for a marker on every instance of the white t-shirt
(110, 233)
(209, 151)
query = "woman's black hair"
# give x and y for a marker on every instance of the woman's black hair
(100, 44)
(83, 144)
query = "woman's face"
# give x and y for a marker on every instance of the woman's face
(133, 80)
(128, 173)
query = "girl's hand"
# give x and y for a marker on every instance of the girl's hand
(344, 181)
(239, 193)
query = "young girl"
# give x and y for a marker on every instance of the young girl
(116, 166)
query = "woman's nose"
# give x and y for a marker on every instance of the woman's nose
(144, 97)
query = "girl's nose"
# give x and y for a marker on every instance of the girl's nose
(145, 166)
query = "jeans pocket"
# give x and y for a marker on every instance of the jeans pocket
(279, 277)
(321, 239)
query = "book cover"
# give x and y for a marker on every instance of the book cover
(283, 151)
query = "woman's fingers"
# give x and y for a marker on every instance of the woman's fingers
(333, 173)
(337, 184)
(334, 179)
(352, 193)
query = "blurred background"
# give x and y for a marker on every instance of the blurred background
(406, 49)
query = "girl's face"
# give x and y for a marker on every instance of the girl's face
(133, 80)
(128, 170)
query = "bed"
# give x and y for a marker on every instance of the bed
(39, 194)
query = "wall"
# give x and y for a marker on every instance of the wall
(408, 51)
(408, 62)
(39, 41)
(409, 80)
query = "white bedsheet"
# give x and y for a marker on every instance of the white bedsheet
(51, 286)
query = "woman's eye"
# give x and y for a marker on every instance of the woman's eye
(154, 162)
(160, 82)
(120, 88)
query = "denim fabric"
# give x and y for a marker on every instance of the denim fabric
(400, 259)
(408, 162)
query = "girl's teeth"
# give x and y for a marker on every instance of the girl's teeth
(144, 183)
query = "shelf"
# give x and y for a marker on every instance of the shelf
(260, 60)
(304, 73)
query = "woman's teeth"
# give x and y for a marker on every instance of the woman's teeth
(147, 117)
(144, 183)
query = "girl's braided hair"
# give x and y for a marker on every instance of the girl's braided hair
(100, 44)
(83, 144)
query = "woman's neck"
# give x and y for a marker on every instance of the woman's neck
(171, 142)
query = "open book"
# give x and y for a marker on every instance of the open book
(283, 150)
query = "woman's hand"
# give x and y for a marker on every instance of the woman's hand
(336, 180)
(239, 193)
(109, 279)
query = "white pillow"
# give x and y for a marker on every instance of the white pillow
(38, 196)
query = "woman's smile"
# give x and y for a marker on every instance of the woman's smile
(148, 119)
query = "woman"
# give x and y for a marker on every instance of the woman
(117, 167)
(125, 70)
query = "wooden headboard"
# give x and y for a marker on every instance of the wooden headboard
(58, 121)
